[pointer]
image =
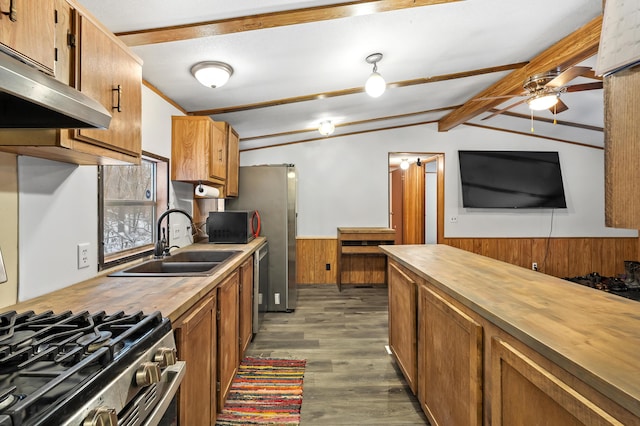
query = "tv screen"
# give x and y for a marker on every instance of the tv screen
(511, 179)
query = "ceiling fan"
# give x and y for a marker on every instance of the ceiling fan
(542, 91)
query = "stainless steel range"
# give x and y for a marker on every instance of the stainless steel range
(87, 369)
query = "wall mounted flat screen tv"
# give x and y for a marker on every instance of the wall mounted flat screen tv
(511, 179)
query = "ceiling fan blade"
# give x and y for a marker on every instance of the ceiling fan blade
(501, 97)
(585, 86)
(568, 75)
(505, 109)
(559, 107)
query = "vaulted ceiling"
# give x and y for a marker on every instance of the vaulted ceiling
(297, 63)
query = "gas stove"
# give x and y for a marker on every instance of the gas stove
(612, 285)
(86, 369)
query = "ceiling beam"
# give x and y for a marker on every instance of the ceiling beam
(344, 92)
(576, 47)
(269, 20)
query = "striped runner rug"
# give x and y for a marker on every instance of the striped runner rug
(265, 391)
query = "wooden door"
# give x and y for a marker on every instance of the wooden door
(195, 334)
(403, 322)
(228, 334)
(396, 214)
(31, 35)
(233, 162)
(449, 362)
(246, 306)
(218, 152)
(413, 205)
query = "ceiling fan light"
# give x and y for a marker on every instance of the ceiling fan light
(375, 85)
(543, 101)
(212, 73)
(326, 128)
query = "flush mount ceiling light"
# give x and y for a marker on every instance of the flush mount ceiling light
(375, 84)
(212, 73)
(404, 164)
(542, 101)
(326, 128)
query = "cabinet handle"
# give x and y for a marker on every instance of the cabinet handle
(220, 155)
(12, 13)
(118, 106)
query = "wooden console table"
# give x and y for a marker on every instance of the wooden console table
(360, 261)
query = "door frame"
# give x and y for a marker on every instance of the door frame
(425, 157)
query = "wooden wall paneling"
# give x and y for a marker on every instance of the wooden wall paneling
(312, 256)
(326, 251)
(396, 203)
(561, 257)
(305, 261)
(578, 255)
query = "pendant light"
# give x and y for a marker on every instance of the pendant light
(375, 85)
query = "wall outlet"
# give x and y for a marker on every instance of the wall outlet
(176, 232)
(83, 255)
(327, 266)
(534, 266)
(276, 298)
(453, 219)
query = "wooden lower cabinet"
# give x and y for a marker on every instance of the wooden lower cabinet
(246, 306)
(526, 393)
(195, 334)
(467, 370)
(228, 332)
(403, 322)
(449, 362)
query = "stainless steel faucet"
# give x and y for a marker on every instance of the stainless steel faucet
(162, 245)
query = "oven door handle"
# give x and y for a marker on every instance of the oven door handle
(174, 375)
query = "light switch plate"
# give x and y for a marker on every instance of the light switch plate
(3, 271)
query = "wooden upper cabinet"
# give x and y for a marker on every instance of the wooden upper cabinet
(95, 62)
(207, 151)
(113, 77)
(20, 21)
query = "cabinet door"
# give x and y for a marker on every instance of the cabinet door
(29, 33)
(196, 340)
(449, 362)
(522, 389)
(109, 75)
(246, 306)
(403, 322)
(218, 152)
(228, 335)
(233, 162)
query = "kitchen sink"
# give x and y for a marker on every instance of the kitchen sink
(183, 264)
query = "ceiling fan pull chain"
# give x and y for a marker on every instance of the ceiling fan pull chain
(532, 121)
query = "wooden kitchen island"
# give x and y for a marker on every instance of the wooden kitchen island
(209, 314)
(485, 342)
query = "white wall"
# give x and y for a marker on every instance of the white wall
(58, 206)
(343, 181)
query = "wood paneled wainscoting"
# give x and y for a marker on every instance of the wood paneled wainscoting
(560, 257)
(313, 254)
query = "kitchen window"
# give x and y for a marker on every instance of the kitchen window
(130, 199)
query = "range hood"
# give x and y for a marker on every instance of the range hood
(31, 99)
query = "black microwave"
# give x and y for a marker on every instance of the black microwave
(233, 226)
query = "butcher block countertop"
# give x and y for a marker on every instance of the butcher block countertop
(172, 296)
(591, 334)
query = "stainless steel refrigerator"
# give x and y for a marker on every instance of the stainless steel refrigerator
(271, 190)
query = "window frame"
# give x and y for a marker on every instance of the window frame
(161, 204)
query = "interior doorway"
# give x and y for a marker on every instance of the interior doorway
(416, 197)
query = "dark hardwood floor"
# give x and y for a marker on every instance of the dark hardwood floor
(350, 379)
